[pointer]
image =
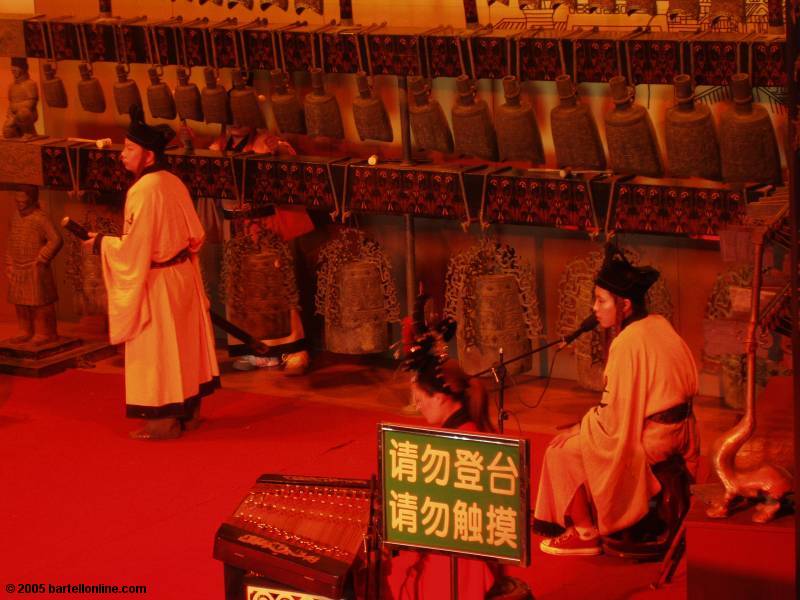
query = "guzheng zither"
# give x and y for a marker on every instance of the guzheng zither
(302, 532)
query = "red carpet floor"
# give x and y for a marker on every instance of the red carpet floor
(82, 503)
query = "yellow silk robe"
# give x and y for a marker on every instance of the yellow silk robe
(160, 314)
(650, 369)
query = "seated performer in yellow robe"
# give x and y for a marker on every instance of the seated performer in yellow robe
(596, 477)
(157, 304)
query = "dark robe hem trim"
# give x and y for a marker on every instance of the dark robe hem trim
(176, 410)
(547, 529)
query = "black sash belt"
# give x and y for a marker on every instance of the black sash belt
(180, 257)
(676, 414)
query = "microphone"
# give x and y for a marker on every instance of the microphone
(75, 228)
(588, 324)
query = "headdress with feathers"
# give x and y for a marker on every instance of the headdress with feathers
(426, 349)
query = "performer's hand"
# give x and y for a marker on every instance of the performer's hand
(89, 244)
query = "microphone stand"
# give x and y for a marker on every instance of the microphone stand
(499, 372)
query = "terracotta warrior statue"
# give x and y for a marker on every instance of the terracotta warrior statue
(33, 242)
(23, 96)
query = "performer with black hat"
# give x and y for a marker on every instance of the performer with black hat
(157, 303)
(596, 477)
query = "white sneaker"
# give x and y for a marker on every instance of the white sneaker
(248, 362)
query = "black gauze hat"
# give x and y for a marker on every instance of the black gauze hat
(153, 138)
(620, 277)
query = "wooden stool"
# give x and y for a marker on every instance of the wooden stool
(650, 538)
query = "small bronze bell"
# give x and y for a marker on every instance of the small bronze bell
(322, 111)
(747, 141)
(90, 93)
(126, 92)
(159, 96)
(575, 136)
(632, 145)
(692, 146)
(428, 123)
(214, 99)
(369, 113)
(285, 105)
(187, 98)
(245, 108)
(518, 136)
(54, 93)
(472, 125)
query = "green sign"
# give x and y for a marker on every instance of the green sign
(455, 491)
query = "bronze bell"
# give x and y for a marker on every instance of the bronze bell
(54, 93)
(690, 135)
(322, 111)
(159, 96)
(214, 99)
(245, 108)
(747, 141)
(187, 98)
(518, 136)
(126, 92)
(632, 145)
(285, 105)
(575, 135)
(427, 120)
(472, 125)
(90, 93)
(369, 113)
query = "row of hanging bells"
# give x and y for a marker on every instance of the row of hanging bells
(213, 104)
(693, 147)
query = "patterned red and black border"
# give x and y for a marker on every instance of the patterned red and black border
(687, 208)
(435, 192)
(296, 181)
(544, 200)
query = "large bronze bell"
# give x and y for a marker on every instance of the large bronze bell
(159, 96)
(126, 92)
(691, 138)
(258, 281)
(245, 108)
(369, 113)
(473, 131)
(499, 323)
(285, 105)
(356, 294)
(428, 122)
(748, 145)
(362, 327)
(90, 92)
(323, 117)
(187, 97)
(632, 145)
(54, 93)
(518, 136)
(214, 99)
(265, 312)
(575, 135)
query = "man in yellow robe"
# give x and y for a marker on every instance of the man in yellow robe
(157, 304)
(596, 477)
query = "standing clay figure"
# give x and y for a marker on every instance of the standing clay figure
(22, 98)
(33, 242)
